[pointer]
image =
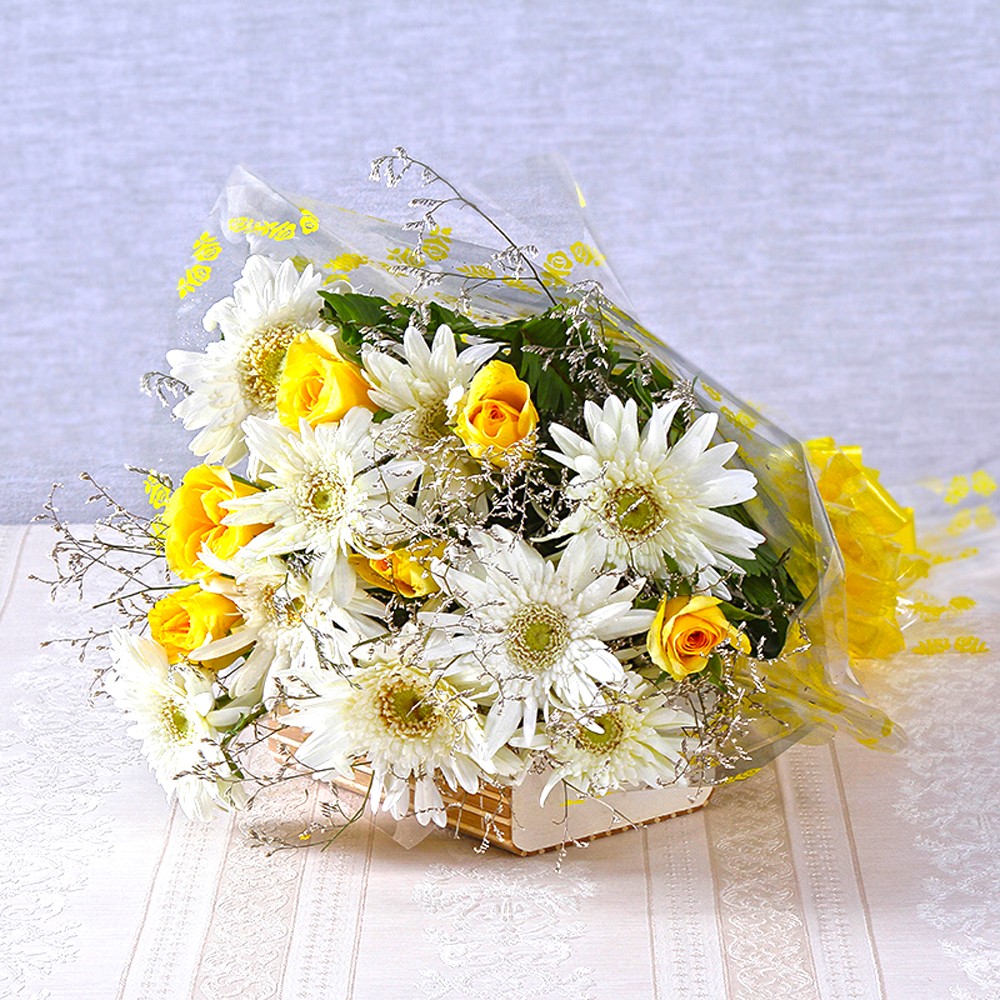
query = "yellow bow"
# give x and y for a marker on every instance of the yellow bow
(877, 538)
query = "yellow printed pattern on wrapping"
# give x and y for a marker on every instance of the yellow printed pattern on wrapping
(157, 492)
(740, 421)
(958, 488)
(204, 249)
(484, 273)
(277, 231)
(559, 264)
(740, 777)
(340, 266)
(273, 230)
(554, 270)
(927, 609)
(943, 644)
(966, 523)
(965, 520)
(435, 246)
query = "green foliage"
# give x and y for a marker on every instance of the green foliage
(764, 594)
(712, 671)
(566, 360)
(350, 310)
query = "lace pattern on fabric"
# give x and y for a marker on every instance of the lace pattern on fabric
(48, 758)
(950, 798)
(505, 932)
(760, 912)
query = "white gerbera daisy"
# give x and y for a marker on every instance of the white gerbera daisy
(171, 709)
(640, 503)
(331, 496)
(422, 395)
(406, 720)
(272, 304)
(536, 632)
(292, 625)
(635, 741)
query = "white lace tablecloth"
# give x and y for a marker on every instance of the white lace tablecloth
(839, 873)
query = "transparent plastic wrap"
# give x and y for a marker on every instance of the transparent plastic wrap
(468, 544)
(809, 688)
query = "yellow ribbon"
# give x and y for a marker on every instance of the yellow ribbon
(877, 538)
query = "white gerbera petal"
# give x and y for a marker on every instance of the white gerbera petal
(327, 500)
(421, 394)
(405, 718)
(293, 625)
(169, 708)
(272, 304)
(643, 505)
(631, 742)
(539, 631)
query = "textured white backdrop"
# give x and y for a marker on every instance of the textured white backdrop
(803, 200)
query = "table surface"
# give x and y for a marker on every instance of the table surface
(837, 873)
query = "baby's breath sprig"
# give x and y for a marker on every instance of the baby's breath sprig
(167, 389)
(513, 258)
(121, 554)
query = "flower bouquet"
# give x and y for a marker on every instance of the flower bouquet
(464, 538)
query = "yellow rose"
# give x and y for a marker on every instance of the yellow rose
(190, 617)
(686, 631)
(194, 515)
(403, 571)
(318, 385)
(496, 414)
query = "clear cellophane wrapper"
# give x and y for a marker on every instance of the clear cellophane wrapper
(861, 597)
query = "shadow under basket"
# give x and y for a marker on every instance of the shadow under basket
(513, 820)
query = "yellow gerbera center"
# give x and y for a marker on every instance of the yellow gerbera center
(261, 364)
(537, 636)
(322, 497)
(611, 734)
(176, 725)
(634, 512)
(406, 710)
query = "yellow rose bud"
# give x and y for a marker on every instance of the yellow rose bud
(496, 414)
(190, 617)
(686, 631)
(194, 516)
(403, 571)
(317, 385)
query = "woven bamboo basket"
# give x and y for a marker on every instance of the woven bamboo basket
(513, 820)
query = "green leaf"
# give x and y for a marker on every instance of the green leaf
(550, 388)
(355, 309)
(735, 614)
(712, 671)
(757, 590)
